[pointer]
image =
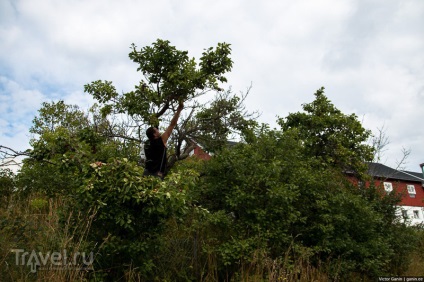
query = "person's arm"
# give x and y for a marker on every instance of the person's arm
(174, 120)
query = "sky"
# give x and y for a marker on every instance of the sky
(368, 54)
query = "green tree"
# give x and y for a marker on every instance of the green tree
(65, 141)
(91, 159)
(73, 159)
(288, 189)
(251, 191)
(269, 196)
(330, 136)
(168, 76)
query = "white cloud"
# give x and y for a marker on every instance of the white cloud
(367, 54)
(16, 101)
(18, 107)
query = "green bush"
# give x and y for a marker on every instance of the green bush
(131, 212)
(269, 196)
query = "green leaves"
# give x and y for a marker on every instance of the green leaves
(169, 75)
(278, 192)
(214, 63)
(102, 91)
(219, 120)
(132, 207)
(336, 139)
(256, 186)
(58, 114)
(273, 195)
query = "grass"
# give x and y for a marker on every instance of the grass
(33, 229)
(43, 225)
(416, 267)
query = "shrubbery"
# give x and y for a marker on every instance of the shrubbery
(275, 207)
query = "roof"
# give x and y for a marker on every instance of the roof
(383, 171)
(416, 174)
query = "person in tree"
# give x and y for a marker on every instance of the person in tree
(155, 147)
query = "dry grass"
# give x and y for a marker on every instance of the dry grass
(34, 225)
(416, 267)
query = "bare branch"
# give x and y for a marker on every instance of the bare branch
(7, 152)
(400, 165)
(379, 143)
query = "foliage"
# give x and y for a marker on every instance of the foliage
(7, 184)
(279, 190)
(55, 115)
(131, 211)
(66, 140)
(88, 171)
(34, 224)
(170, 76)
(415, 262)
(277, 205)
(330, 136)
(246, 188)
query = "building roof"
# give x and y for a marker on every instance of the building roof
(383, 171)
(416, 174)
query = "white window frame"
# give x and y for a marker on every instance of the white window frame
(411, 190)
(388, 187)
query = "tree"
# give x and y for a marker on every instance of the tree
(270, 196)
(170, 75)
(73, 160)
(330, 136)
(65, 141)
(90, 159)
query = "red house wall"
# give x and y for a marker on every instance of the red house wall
(201, 154)
(400, 187)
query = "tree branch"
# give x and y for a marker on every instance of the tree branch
(163, 110)
(11, 153)
(115, 135)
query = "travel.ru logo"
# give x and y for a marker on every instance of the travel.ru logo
(53, 260)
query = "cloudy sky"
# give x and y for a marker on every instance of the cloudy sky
(368, 54)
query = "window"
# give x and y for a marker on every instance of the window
(388, 187)
(411, 191)
(405, 214)
(416, 214)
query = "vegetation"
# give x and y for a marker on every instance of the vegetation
(275, 207)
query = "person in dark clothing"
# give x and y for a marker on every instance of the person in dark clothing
(155, 148)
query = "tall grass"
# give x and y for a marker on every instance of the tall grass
(416, 266)
(43, 225)
(33, 225)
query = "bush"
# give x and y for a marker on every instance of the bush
(131, 212)
(268, 196)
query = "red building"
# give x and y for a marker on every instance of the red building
(198, 152)
(408, 184)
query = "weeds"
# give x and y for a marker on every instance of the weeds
(49, 225)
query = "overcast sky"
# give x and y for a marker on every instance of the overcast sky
(369, 55)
